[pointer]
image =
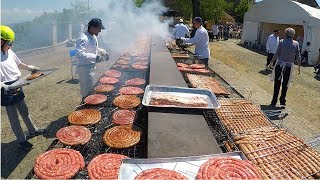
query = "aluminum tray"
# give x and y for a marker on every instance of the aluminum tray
(212, 100)
(188, 166)
(23, 81)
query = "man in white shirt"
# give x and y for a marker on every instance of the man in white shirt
(181, 30)
(271, 46)
(201, 40)
(215, 31)
(88, 54)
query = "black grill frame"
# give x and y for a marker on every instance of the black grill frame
(96, 145)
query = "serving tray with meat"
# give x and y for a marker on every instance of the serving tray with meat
(180, 167)
(179, 97)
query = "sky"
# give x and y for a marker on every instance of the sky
(15, 11)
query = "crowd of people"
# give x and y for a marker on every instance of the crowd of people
(226, 31)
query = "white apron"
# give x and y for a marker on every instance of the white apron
(282, 66)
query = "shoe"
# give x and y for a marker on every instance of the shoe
(272, 104)
(36, 133)
(25, 145)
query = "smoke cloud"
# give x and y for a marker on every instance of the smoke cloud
(124, 22)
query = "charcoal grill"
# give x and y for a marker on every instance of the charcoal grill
(96, 145)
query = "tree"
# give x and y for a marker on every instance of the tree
(240, 10)
(139, 3)
(213, 9)
(183, 7)
(207, 9)
(196, 8)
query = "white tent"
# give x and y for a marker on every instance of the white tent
(284, 12)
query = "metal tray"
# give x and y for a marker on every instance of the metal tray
(188, 166)
(212, 100)
(23, 81)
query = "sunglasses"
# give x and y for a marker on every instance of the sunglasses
(9, 43)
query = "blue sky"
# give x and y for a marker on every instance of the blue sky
(14, 11)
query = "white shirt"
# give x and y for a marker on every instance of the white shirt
(215, 29)
(181, 30)
(9, 66)
(86, 46)
(201, 40)
(272, 44)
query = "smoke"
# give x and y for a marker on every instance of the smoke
(124, 22)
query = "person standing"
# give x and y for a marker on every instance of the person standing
(305, 54)
(201, 40)
(287, 53)
(215, 32)
(221, 31)
(226, 31)
(271, 46)
(181, 30)
(317, 66)
(300, 41)
(88, 54)
(12, 98)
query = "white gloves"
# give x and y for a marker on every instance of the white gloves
(5, 87)
(32, 68)
(103, 54)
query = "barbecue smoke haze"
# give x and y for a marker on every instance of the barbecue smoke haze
(124, 22)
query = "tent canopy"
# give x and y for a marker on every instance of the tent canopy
(284, 12)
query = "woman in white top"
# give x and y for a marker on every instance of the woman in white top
(13, 98)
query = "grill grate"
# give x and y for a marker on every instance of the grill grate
(219, 131)
(96, 145)
(233, 93)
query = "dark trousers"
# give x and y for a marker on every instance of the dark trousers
(304, 58)
(277, 84)
(270, 56)
(205, 61)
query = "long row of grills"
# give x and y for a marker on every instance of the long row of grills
(276, 153)
(111, 125)
(108, 126)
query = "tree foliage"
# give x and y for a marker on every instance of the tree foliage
(209, 9)
(240, 10)
(184, 8)
(139, 3)
(212, 9)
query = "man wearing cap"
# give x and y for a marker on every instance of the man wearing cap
(181, 30)
(88, 54)
(201, 40)
(271, 46)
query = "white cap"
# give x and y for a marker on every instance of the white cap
(181, 20)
